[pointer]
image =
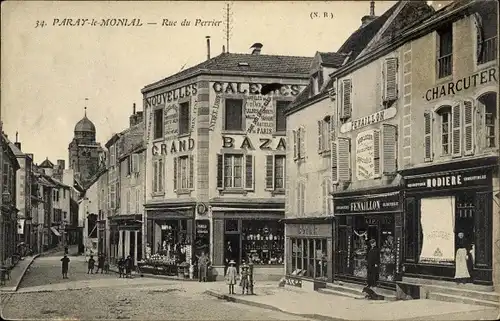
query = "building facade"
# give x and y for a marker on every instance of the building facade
(208, 131)
(450, 169)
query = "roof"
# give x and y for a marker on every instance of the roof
(15, 150)
(45, 181)
(333, 59)
(131, 140)
(46, 164)
(265, 64)
(85, 125)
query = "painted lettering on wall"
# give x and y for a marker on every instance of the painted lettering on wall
(365, 206)
(215, 112)
(365, 161)
(262, 114)
(372, 119)
(172, 95)
(263, 143)
(480, 78)
(178, 146)
(252, 89)
(171, 122)
(444, 181)
(194, 113)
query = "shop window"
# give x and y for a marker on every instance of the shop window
(489, 101)
(486, 30)
(233, 119)
(232, 226)
(445, 51)
(158, 123)
(184, 118)
(281, 106)
(263, 241)
(445, 117)
(309, 258)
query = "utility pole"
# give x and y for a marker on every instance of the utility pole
(228, 15)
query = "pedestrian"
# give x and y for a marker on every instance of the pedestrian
(231, 275)
(202, 267)
(373, 264)
(128, 266)
(65, 265)
(121, 265)
(244, 278)
(90, 265)
(106, 264)
(250, 275)
(100, 263)
(462, 260)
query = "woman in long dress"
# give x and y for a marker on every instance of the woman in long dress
(231, 275)
(462, 274)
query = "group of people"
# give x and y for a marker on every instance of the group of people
(102, 264)
(245, 277)
(125, 267)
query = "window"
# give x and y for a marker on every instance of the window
(234, 115)
(445, 117)
(486, 28)
(184, 118)
(445, 51)
(263, 241)
(112, 196)
(112, 158)
(5, 175)
(275, 172)
(489, 101)
(281, 106)
(184, 171)
(324, 134)
(158, 176)
(299, 144)
(158, 123)
(309, 258)
(233, 171)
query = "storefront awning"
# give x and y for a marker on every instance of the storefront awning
(55, 231)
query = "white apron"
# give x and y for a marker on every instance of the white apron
(461, 270)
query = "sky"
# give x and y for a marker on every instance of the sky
(47, 72)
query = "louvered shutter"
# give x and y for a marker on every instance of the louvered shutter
(376, 154)
(390, 79)
(428, 148)
(249, 180)
(320, 136)
(320, 79)
(469, 133)
(176, 173)
(128, 201)
(479, 36)
(295, 145)
(344, 159)
(334, 163)
(456, 133)
(191, 172)
(155, 177)
(220, 171)
(389, 154)
(302, 147)
(346, 98)
(323, 199)
(270, 172)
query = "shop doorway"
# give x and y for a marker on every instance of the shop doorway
(342, 252)
(232, 248)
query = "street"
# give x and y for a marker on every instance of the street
(43, 294)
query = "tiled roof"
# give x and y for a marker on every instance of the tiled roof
(15, 150)
(46, 164)
(238, 62)
(333, 59)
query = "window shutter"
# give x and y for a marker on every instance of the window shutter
(428, 137)
(303, 198)
(191, 171)
(469, 134)
(346, 98)
(456, 133)
(135, 161)
(389, 155)
(270, 172)
(344, 159)
(334, 163)
(295, 154)
(155, 176)
(479, 36)
(302, 140)
(390, 79)
(376, 153)
(128, 201)
(220, 171)
(176, 173)
(320, 136)
(249, 181)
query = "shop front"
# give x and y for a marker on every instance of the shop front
(170, 235)
(309, 245)
(447, 207)
(126, 236)
(360, 218)
(249, 236)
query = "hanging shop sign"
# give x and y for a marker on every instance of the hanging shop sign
(449, 180)
(451, 88)
(388, 202)
(202, 227)
(178, 146)
(278, 143)
(372, 119)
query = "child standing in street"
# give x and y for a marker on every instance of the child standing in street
(91, 265)
(121, 263)
(244, 278)
(231, 275)
(65, 266)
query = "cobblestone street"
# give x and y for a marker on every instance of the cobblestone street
(43, 294)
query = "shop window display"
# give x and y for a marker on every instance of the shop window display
(263, 242)
(309, 258)
(175, 246)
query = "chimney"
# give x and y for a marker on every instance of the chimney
(256, 48)
(18, 145)
(223, 49)
(32, 157)
(367, 19)
(139, 117)
(60, 164)
(208, 47)
(133, 109)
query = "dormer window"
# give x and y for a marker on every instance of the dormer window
(316, 82)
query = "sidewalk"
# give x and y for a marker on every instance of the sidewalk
(17, 274)
(114, 268)
(330, 307)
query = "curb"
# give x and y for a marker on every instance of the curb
(154, 276)
(24, 271)
(233, 299)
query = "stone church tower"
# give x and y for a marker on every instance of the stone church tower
(84, 152)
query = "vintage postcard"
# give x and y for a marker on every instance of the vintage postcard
(250, 160)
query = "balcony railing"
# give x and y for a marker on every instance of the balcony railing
(445, 65)
(488, 50)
